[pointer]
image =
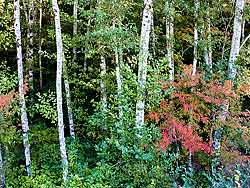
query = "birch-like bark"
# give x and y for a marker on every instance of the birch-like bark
(118, 61)
(209, 43)
(142, 64)
(69, 103)
(24, 118)
(102, 83)
(59, 47)
(218, 133)
(235, 48)
(170, 38)
(30, 50)
(75, 24)
(66, 78)
(243, 29)
(119, 81)
(40, 45)
(196, 37)
(207, 46)
(2, 177)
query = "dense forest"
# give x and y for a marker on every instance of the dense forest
(125, 93)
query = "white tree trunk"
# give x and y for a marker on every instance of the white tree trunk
(59, 47)
(102, 83)
(2, 177)
(243, 29)
(119, 81)
(170, 38)
(142, 64)
(40, 45)
(75, 24)
(30, 50)
(196, 37)
(24, 118)
(66, 81)
(209, 43)
(235, 48)
(207, 46)
(69, 103)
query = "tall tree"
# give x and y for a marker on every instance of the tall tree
(75, 8)
(235, 47)
(66, 78)
(170, 37)
(40, 44)
(30, 43)
(207, 38)
(142, 64)
(102, 83)
(196, 37)
(24, 118)
(2, 177)
(59, 47)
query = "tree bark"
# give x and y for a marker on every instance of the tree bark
(24, 118)
(102, 83)
(235, 47)
(196, 37)
(40, 45)
(170, 38)
(142, 64)
(30, 44)
(69, 103)
(75, 24)
(59, 47)
(2, 176)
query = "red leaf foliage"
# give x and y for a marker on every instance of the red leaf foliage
(191, 141)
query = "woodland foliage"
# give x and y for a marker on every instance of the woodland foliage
(175, 145)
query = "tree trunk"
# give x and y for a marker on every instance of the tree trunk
(2, 177)
(235, 48)
(196, 37)
(66, 81)
(69, 103)
(59, 47)
(209, 43)
(170, 38)
(102, 83)
(119, 81)
(75, 25)
(142, 64)
(24, 118)
(30, 50)
(40, 45)
(243, 29)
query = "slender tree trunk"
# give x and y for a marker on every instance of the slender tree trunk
(243, 29)
(142, 64)
(209, 43)
(24, 118)
(170, 38)
(69, 103)
(217, 135)
(235, 48)
(40, 45)
(118, 61)
(102, 83)
(207, 46)
(59, 47)
(30, 50)
(75, 24)
(2, 177)
(66, 78)
(119, 81)
(196, 37)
